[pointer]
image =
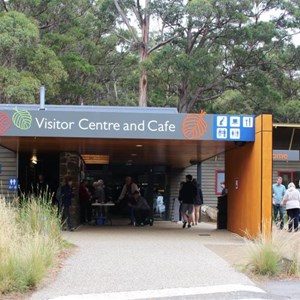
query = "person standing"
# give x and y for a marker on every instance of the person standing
(278, 192)
(99, 193)
(224, 189)
(66, 197)
(126, 197)
(292, 201)
(188, 194)
(85, 203)
(198, 201)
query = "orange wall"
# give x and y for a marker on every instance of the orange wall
(248, 173)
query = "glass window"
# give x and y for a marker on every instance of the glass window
(220, 177)
(296, 179)
(286, 177)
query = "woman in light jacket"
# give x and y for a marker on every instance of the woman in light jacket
(292, 201)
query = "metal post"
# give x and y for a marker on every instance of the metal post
(42, 97)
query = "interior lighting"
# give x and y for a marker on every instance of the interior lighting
(95, 159)
(34, 159)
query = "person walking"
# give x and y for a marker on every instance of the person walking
(198, 201)
(292, 201)
(188, 194)
(278, 191)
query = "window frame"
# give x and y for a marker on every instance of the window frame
(219, 178)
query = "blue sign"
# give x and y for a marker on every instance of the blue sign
(234, 128)
(13, 184)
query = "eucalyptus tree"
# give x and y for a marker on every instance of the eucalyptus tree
(81, 35)
(25, 63)
(144, 38)
(224, 45)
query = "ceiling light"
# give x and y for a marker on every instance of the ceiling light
(34, 159)
(139, 146)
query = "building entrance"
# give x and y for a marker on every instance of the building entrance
(151, 181)
(155, 136)
(31, 172)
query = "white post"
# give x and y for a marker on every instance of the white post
(42, 97)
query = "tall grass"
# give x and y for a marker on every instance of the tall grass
(30, 239)
(275, 255)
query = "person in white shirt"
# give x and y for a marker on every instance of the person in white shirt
(291, 200)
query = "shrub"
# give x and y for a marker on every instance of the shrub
(30, 239)
(264, 260)
(273, 256)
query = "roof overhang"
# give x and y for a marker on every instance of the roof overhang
(286, 136)
(126, 135)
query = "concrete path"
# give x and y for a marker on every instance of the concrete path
(112, 260)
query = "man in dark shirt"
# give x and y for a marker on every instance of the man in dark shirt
(188, 194)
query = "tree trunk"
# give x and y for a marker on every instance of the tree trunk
(143, 78)
(182, 94)
(143, 89)
(144, 56)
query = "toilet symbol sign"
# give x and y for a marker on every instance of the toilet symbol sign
(13, 184)
(234, 128)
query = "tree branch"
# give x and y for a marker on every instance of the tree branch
(4, 5)
(138, 13)
(126, 21)
(123, 38)
(162, 44)
(47, 25)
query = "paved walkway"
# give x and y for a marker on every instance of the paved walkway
(112, 260)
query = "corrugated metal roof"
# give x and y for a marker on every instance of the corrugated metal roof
(84, 108)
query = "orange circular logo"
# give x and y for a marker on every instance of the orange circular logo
(194, 126)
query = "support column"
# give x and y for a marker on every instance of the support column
(248, 173)
(69, 165)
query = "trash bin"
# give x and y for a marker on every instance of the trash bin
(100, 220)
(222, 212)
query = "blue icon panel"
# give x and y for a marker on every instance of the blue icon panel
(234, 128)
(13, 184)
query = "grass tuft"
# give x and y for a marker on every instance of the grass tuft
(30, 239)
(274, 255)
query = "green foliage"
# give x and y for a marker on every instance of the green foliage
(18, 33)
(218, 55)
(266, 261)
(30, 241)
(24, 62)
(290, 112)
(275, 255)
(230, 103)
